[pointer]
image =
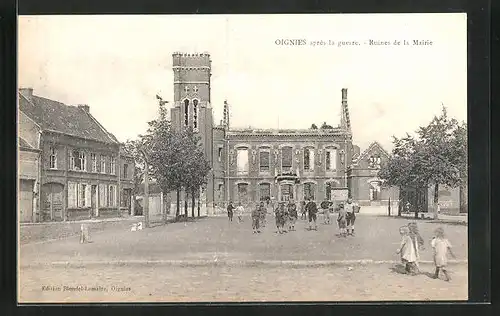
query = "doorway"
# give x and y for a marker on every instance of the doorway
(26, 200)
(52, 202)
(286, 192)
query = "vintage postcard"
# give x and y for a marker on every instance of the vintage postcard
(242, 158)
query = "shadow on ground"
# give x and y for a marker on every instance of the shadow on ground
(400, 269)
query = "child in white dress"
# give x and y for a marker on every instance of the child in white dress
(239, 212)
(441, 247)
(407, 250)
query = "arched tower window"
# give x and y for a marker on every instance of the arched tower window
(186, 112)
(195, 114)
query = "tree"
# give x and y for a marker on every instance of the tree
(438, 157)
(401, 167)
(131, 147)
(176, 158)
(166, 154)
(197, 167)
(134, 148)
(444, 154)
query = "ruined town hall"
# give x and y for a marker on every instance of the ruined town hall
(250, 165)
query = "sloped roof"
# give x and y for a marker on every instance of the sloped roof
(59, 117)
(367, 150)
(24, 143)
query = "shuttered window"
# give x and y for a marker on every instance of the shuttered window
(72, 195)
(103, 195)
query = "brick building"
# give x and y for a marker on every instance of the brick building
(250, 165)
(70, 166)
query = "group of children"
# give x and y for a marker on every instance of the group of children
(286, 216)
(412, 243)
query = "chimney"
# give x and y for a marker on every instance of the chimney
(84, 107)
(27, 93)
(344, 95)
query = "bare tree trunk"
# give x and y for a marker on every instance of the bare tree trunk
(463, 198)
(389, 207)
(415, 203)
(178, 206)
(192, 203)
(436, 201)
(199, 197)
(185, 205)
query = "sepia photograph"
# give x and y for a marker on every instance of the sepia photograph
(242, 158)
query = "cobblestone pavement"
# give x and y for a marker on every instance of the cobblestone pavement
(214, 238)
(224, 284)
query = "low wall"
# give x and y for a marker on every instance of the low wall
(29, 233)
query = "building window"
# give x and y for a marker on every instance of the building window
(195, 114)
(264, 160)
(93, 159)
(186, 112)
(374, 191)
(265, 192)
(242, 161)
(242, 192)
(286, 158)
(309, 189)
(78, 161)
(308, 159)
(82, 157)
(53, 158)
(331, 159)
(374, 161)
(112, 165)
(219, 154)
(220, 190)
(78, 195)
(103, 164)
(125, 169)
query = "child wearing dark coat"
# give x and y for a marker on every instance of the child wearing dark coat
(256, 215)
(280, 217)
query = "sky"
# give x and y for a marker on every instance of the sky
(117, 64)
